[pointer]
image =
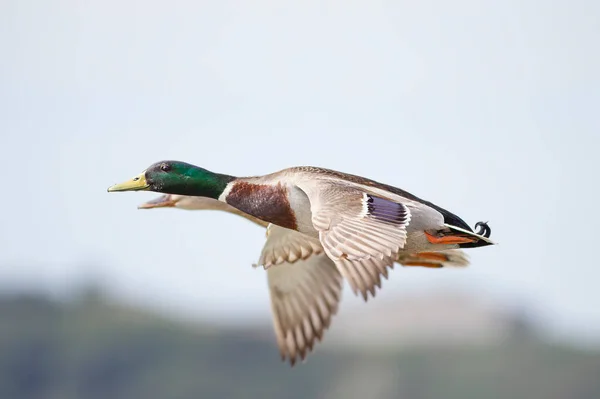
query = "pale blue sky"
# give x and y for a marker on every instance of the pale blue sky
(489, 109)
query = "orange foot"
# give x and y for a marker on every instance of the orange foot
(438, 256)
(449, 239)
(423, 264)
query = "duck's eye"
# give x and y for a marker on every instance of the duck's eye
(165, 168)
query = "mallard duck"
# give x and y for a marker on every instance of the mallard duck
(307, 277)
(363, 226)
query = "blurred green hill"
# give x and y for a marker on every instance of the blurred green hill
(89, 348)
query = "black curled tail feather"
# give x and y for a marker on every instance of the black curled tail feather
(481, 236)
(484, 229)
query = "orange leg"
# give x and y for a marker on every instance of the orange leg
(449, 239)
(424, 264)
(432, 256)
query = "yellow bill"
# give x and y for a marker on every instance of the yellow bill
(138, 183)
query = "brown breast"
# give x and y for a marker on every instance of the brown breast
(266, 202)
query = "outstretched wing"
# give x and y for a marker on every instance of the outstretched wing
(305, 292)
(361, 232)
(355, 225)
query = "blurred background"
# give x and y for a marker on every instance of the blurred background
(487, 108)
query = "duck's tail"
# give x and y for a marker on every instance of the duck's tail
(480, 238)
(464, 238)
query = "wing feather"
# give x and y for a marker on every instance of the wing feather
(362, 233)
(305, 295)
(356, 225)
(284, 245)
(364, 276)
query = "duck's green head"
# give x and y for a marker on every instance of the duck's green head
(175, 177)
